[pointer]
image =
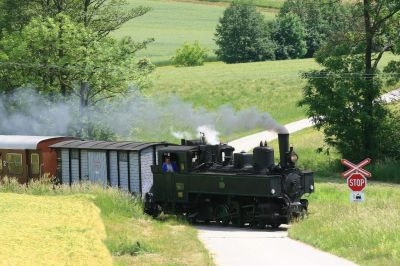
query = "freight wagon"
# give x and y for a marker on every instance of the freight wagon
(126, 165)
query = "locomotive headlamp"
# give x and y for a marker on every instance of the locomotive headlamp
(272, 191)
(294, 157)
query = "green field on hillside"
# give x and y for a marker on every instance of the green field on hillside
(173, 23)
(273, 86)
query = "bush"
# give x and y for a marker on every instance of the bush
(190, 55)
(289, 35)
(242, 37)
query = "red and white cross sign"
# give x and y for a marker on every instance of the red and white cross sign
(356, 168)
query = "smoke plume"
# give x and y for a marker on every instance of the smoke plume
(134, 117)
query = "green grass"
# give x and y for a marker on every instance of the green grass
(367, 233)
(273, 86)
(173, 23)
(42, 224)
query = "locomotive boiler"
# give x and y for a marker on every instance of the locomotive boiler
(213, 184)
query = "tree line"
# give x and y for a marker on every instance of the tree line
(299, 30)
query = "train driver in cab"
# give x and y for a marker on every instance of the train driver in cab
(168, 166)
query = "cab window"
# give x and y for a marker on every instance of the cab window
(35, 164)
(14, 161)
(174, 160)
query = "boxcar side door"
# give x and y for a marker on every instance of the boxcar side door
(97, 167)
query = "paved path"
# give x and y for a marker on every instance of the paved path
(241, 247)
(391, 96)
(249, 142)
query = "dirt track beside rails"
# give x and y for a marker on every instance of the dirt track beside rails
(231, 246)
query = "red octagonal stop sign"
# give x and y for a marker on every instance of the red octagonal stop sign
(356, 182)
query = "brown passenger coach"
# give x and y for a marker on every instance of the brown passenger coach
(26, 157)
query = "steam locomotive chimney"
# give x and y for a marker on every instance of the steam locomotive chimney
(283, 139)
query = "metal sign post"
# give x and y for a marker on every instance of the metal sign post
(356, 179)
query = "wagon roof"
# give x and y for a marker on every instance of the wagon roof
(105, 145)
(20, 142)
(173, 148)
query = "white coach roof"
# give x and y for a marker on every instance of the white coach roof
(19, 142)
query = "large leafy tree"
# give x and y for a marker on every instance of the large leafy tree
(241, 35)
(94, 70)
(320, 18)
(343, 97)
(63, 47)
(289, 35)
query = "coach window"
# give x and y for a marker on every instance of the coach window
(14, 161)
(35, 166)
(1, 163)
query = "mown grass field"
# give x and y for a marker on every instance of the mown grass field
(367, 233)
(44, 230)
(87, 225)
(171, 23)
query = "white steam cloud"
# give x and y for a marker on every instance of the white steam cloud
(212, 136)
(134, 117)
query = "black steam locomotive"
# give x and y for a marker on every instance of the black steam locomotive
(212, 183)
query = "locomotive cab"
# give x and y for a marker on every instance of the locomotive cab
(185, 157)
